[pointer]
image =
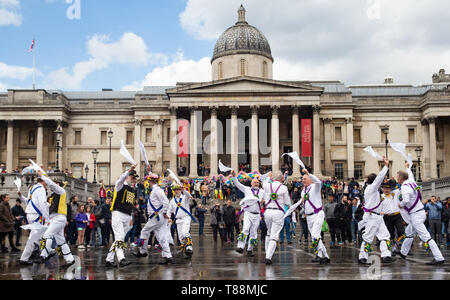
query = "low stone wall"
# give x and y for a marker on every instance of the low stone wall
(439, 188)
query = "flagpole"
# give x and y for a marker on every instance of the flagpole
(34, 69)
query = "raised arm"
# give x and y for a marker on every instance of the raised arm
(121, 180)
(410, 173)
(239, 185)
(53, 186)
(379, 179)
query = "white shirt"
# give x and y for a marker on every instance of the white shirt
(39, 199)
(53, 186)
(315, 196)
(185, 199)
(121, 181)
(390, 203)
(158, 198)
(283, 195)
(250, 193)
(372, 195)
(409, 195)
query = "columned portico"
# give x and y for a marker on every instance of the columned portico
(275, 139)
(433, 157)
(254, 139)
(327, 144)
(426, 149)
(295, 140)
(316, 141)
(40, 143)
(193, 144)
(350, 149)
(159, 146)
(10, 147)
(214, 142)
(234, 139)
(137, 149)
(173, 139)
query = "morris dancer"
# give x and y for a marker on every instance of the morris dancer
(37, 212)
(373, 220)
(157, 206)
(121, 222)
(411, 203)
(315, 216)
(252, 214)
(58, 220)
(274, 214)
(179, 206)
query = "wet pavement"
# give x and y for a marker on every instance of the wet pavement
(221, 262)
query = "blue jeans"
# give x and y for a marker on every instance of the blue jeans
(354, 229)
(96, 231)
(201, 224)
(130, 234)
(287, 228)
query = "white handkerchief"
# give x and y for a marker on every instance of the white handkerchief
(36, 167)
(372, 152)
(291, 209)
(27, 170)
(296, 158)
(143, 153)
(223, 168)
(18, 183)
(126, 154)
(172, 174)
(401, 148)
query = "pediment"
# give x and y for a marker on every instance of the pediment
(244, 85)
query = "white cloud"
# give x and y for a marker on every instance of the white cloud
(340, 40)
(130, 49)
(9, 13)
(15, 72)
(180, 70)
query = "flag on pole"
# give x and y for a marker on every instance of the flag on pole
(33, 44)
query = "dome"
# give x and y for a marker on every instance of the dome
(242, 38)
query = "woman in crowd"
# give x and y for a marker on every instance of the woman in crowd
(81, 220)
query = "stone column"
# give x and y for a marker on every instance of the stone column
(10, 147)
(316, 141)
(159, 146)
(350, 149)
(425, 169)
(433, 157)
(327, 144)
(214, 158)
(254, 151)
(234, 139)
(275, 139)
(40, 143)
(193, 145)
(137, 148)
(173, 140)
(295, 140)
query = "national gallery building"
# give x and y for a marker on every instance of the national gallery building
(242, 116)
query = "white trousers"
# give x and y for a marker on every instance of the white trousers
(183, 228)
(375, 227)
(33, 239)
(315, 223)
(162, 234)
(274, 222)
(56, 231)
(250, 230)
(120, 224)
(416, 225)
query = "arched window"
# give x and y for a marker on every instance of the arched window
(243, 67)
(220, 71)
(264, 69)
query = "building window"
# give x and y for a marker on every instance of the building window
(103, 137)
(168, 135)
(438, 170)
(31, 137)
(148, 135)
(339, 170)
(243, 67)
(357, 135)
(359, 171)
(411, 135)
(103, 172)
(220, 71)
(129, 137)
(77, 170)
(77, 137)
(264, 69)
(338, 134)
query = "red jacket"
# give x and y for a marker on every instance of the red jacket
(91, 221)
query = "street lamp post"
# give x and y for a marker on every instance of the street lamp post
(386, 132)
(86, 171)
(59, 134)
(419, 154)
(94, 156)
(110, 136)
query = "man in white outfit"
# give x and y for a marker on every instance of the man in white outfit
(37, 212)
(277, 199)
(121, 221)
(58, 220)
(373, 220)
(315, 216)
(411, 203)
(251, 207)
(157, 206)
(179, 206)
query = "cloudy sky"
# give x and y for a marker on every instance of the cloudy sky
(125, 45)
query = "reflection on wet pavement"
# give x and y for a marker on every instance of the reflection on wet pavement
(220, 262)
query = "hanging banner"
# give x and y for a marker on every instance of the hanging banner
(306, 138)
(183, 138)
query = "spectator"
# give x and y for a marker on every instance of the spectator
(81, 220)
(102, 192)
(229, 217)
(6, 224)
(238, 220)
(96, 233)
(446, 218)
(105, 221)
(19, 216)
(200, 214)
(329, 209)
(205, 192)
(286, 228)
(343, 216)
(434, 210)
(89, 227)
(304, 225)
(72, 226)
(217, 223)
(354, 221)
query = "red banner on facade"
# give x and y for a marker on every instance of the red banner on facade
(183, 138)
(306, 138)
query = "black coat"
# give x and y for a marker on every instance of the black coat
(343, 211)
(229, 215)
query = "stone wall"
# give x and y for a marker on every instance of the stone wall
(439, 188)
